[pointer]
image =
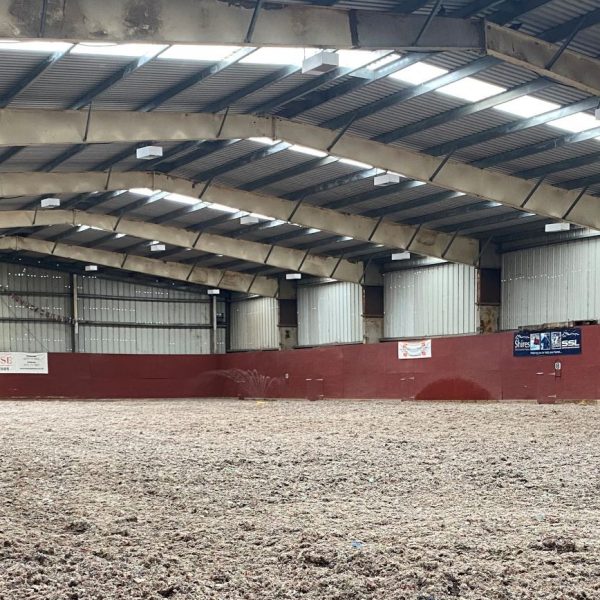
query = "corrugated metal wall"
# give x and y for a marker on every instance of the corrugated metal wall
(329, 313)
(551, 283)
(22, 330)
(438, 300)
(115, 317)
(254, 324)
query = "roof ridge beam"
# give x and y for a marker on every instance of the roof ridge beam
(216, 278)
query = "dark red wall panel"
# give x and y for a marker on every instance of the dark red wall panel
(462, 368)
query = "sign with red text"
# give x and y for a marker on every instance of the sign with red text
(24, 362)
(414, 349)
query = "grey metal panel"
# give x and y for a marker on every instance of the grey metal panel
(254, 324)
(29, 336)
(14, 278)
(551, 283)
(140, 340)
(438, 300)
(330, 313)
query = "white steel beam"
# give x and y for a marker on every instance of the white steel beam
(416, 239)
(301, 261)
(548, 60)
(30, 127)
(217, 22)
(215, 278)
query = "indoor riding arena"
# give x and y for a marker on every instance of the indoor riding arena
(299, 299)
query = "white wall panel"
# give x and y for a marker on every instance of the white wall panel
(438, 300)
(329, 313)
(551, 284)
(254, 324)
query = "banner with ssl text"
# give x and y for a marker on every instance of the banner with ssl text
(552, 342)
(24, 362)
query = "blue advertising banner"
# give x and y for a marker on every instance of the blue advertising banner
(547, 343)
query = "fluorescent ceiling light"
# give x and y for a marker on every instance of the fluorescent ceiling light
(471, 89)
(355, 163)
(418, 73)
(309, 151)
(194, 52)
(45, 47)
(527, 106)
(279, 56)
(108, 49)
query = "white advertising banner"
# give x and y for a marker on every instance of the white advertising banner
(24, 362)
(414, 349)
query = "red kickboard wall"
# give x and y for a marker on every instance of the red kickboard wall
(461, 368)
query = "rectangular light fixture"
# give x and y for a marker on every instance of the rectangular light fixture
(249, 220)
(50, 203)
(554, 227)
(91, 268)
(386, 179)
(400, 255)
(213, 292)
(157, 247)
(149, 152)
(320, 63)
(293, 276)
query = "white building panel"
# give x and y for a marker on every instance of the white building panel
(429, 301)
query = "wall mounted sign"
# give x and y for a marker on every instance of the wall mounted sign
(24, 362)
(414, 349)
(547, 343)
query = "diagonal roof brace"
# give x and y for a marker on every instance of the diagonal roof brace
(423, 241)
(267, 254)
(227, 280)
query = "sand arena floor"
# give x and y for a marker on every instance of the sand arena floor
(328, 500)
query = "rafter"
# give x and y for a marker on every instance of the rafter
(267, 254)
(49, 127)
(217, 278)
(378, 231)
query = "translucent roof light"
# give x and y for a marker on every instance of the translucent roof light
(355, 59)
(143, 191)
(181, 198)
(108, 49)
(45, 47)
(279, 56)
(418, 73)
(306, 150)
(527, 106)
(264, 140)
(471, 89)
(356, 163)
(576, 123)
(192, 52)
(223, 208)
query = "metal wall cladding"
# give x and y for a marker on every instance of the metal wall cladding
(254, 324)
(124, 317)
(329, 313)
(437, 300)
(146, 340)
(29, 336)
(551, 284)
(47, 290)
